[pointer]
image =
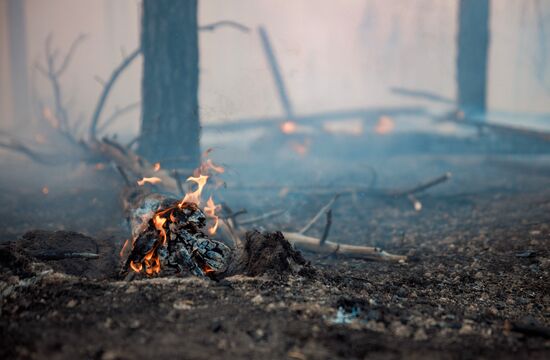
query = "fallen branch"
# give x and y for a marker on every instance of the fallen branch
(312, 244)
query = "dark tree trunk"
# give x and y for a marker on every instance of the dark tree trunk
(170, 127)
(473, 45)
(18, 61)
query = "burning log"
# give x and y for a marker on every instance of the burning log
(171, 235)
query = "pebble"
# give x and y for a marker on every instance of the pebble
(420, 335)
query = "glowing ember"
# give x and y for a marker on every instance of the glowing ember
(385, 125)
(45, 190)
(156, 167)
(288, 127)
(150, 180)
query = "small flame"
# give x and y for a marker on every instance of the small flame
(123, 250)
(136, 267)
(208, 167)
(210, 211)
(385, 125)
(159, 225)
(195, 196)
(289, 127)
(150, 180)
(45, 190)
(156, 167)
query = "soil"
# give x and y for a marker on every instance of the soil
(476, 285)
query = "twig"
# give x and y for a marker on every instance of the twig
(323, 210)
(229, 23)
(107, 88)
(262, 217)
(60, 255)
(124, 175)
(423, 186)
(327, 228)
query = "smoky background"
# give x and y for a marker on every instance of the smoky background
(333, 57)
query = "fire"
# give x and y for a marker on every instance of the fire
(151, 262)
(210, 211)
(150, 180)
(123, 250)
(45, 190)
(195, 196)
(289, 127)
(156, 167)
(385, 125)
(159, 225)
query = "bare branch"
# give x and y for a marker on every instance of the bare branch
(262, 217)
(103, 98)
(70, 54)
(118, 112)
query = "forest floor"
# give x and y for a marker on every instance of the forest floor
(477, 284)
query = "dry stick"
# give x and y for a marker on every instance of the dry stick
(327, 228)
(424, 186)
(267, 215)
(107, 88)
(312, 244)
(323, 210)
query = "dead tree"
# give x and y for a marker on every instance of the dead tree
(170, 119)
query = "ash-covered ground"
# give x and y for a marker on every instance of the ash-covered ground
(477, 283)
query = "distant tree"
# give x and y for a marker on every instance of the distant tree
(170, 128)
(472, 54)
(18, 60)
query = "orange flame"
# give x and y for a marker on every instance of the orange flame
(156, 167)
(45, 190)
(288, 127)
(195, 196)
(210, 211)
(150, 180)
(159, 225)
(123, 250)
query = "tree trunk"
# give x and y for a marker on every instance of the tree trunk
(170, 127)
(18, 61)
(473, 45)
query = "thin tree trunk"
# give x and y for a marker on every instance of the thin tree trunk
(170, 120)
(18, 61)
(473, 45)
